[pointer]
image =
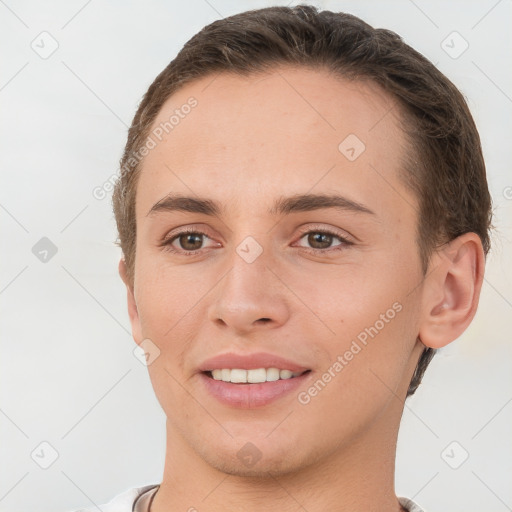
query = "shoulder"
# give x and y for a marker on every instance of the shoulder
(409, 505)
(122, 502)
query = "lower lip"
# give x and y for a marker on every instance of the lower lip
(248, 396)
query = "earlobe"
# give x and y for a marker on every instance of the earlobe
(452, 290)
(133, 312)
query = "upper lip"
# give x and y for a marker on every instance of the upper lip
(249, 362)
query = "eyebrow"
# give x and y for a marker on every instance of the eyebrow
(282, 206)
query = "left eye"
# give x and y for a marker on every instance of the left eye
(321, 240)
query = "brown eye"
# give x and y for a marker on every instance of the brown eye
(320, 240)
(190, 241)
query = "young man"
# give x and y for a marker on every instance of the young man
(304, 214)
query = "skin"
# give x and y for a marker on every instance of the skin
(249, 141)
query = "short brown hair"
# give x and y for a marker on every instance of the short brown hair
(445, 166)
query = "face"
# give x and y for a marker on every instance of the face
(294, 254)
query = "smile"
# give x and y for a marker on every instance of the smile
(246, 389)
(254, 376)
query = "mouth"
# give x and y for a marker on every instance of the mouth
(239, 388)
(252, 376)
(251, 380)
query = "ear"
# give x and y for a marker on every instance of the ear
(451, 291)
(132, 305)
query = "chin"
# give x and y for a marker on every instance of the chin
(264, 468)
(261, 459)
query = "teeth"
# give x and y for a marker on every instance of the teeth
(238, 376)
(217, 374)
(285, 374)
(258, 375)
(255, 376)
(272, 374)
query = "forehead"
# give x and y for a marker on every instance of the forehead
(288, 129)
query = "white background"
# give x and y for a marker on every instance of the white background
(68, 374)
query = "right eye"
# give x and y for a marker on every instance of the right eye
(188, 240)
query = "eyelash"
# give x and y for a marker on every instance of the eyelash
(167, 243)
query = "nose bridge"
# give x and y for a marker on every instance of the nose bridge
(249, 292)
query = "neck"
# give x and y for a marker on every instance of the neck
(358, 477)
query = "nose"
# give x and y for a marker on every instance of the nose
(250, 297)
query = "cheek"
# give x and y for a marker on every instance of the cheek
(345, 300)
(373, 318)
(166, 312)
(167, 296)
(362, 374)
